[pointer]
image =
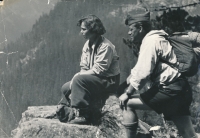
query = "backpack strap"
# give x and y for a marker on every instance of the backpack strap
(176, 65)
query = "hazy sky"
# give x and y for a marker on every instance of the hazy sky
(18, 16)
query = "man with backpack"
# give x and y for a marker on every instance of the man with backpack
(169, 93)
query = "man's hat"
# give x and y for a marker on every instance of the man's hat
(145, 17)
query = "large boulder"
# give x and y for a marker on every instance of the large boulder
(35, 122)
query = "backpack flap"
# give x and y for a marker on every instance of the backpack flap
(186, 57)
(195, 38)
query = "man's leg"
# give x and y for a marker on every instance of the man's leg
(185, 127)
(130, 119)
(130, 122)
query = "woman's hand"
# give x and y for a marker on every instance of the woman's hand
(123, 101)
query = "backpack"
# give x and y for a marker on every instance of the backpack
(188, 61)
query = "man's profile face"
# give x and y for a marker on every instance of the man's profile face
(134, 33)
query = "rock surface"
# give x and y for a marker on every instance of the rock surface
(44, 128)
(34, 123)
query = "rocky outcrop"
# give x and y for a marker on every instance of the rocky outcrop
(41, 122)
(34, 123)
(44, 128)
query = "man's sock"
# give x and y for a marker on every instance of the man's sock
(131, 129)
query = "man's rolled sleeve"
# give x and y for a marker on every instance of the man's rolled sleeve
(103, 59)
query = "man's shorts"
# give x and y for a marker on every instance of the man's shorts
(168, 101)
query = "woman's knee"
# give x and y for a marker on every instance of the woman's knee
(65, 89)
(82, 79)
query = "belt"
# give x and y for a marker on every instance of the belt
(176, 85)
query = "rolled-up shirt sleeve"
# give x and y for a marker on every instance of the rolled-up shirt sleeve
(145, 65)
(103, 59)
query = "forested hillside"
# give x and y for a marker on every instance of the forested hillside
(49, 55)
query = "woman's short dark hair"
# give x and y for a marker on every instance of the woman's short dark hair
(93, 23)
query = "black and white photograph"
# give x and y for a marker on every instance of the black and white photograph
(99, 68)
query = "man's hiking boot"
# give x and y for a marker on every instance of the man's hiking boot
(81, 116)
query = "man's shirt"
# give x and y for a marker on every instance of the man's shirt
(101, 58)
(153, 48)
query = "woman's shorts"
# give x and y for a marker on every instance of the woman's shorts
(168, 101)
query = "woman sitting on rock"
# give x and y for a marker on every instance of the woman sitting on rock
(99, 70)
